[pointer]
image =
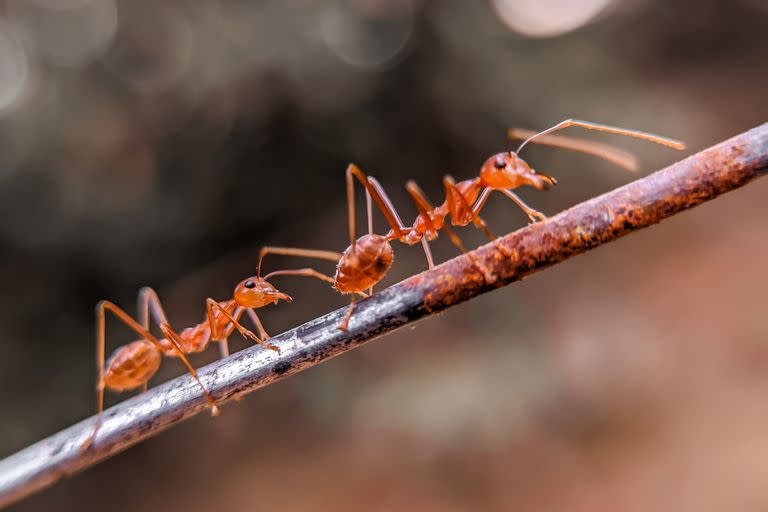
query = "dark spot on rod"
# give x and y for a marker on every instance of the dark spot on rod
(281, 368)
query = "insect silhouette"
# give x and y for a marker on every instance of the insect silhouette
(133, 365)
(367, 259)
(505, 172)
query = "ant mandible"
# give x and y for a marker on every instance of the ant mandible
(133, 365)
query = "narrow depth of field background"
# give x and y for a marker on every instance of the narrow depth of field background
(162, 143)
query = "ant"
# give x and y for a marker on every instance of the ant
(133, 365)
(505, 172)
(367, 259)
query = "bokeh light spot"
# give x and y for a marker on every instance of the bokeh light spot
(547, 18)
(362, 41)
(14, 67)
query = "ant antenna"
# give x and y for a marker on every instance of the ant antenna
(658, 139)
(258, 269)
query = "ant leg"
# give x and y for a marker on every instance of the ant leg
(345, 323)
(374, 188)
(176, 342)
(428, 253)
(223, 348)
(425, 207)
(533, 214)
(149, 306)
(460, 210)
(369, 211)
(658, 139)
(222, 337)
(607, 152)
(210, 304)
(101, 310)
(422, 201)
(351, 205)
(470, 213)
(100, 335)
(475, 218)
(257, 322)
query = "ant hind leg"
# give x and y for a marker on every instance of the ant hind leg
(101, 310)
(345, 323)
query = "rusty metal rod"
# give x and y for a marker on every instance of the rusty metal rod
(701, 177)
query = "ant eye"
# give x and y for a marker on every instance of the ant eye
(249, 284)
(500, 163)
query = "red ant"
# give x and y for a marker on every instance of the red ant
(133, 365)
(367, 259)
(505, 172)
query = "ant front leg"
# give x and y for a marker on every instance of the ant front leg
(210, 304)
(223, 337)
(257, 322)
(480, 223)
(533, 214)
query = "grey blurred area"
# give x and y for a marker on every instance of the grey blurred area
(163, 143)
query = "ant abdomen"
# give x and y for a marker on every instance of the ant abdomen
(131, 366)
(364, 264)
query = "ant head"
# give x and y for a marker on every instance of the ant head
(256, 292)
(507, 170)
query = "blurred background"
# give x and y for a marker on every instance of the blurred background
(162, 143)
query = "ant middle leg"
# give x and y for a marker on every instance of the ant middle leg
(150, 306)
(424, 206)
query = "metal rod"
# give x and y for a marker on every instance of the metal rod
(697, 179)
